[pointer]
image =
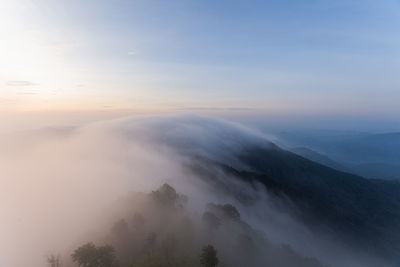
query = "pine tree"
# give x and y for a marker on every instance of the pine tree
(208, 257)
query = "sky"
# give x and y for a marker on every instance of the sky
(311, 57)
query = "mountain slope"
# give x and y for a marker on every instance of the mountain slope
(319, 158)
(369, 155)
(366, 211)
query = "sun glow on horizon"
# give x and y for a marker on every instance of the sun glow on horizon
(35, 70)
(108, 55)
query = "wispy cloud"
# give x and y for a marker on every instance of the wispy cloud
(7, 101)
(27, 93)
(133, 52)
(20, 83)
(216, 108)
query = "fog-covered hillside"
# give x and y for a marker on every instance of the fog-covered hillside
(76, 183)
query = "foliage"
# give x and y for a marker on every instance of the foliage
(157, 230)
(167, 196)
(208, 256)
(90, 255)
(226, 211)
(54, 261)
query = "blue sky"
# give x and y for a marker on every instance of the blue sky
(311, 57)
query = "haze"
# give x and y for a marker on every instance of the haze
(284, 112)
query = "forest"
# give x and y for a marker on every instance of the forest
(158, 229)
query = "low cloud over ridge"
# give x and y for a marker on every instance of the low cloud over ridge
(60, 183)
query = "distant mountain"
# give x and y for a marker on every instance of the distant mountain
(376, 170)
(381, 148)
(369, 155)
(319, 158)
(368, 170)
(366, 212)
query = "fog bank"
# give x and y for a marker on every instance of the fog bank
(58, 186)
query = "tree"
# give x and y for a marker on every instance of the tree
(150, 244)
(231, 212)
(89, 255)
(166, 196)
(168, 247)
(208, 256)
(227, 211)
(54, 261)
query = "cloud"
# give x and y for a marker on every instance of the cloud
(77, 172)
(133, 52)
(20, 83)
(216, 109)
(7, 101)
(27, 93)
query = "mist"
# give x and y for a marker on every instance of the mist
(62, 187)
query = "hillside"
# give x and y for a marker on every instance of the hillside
(362, 211)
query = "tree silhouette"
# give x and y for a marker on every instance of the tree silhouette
(54, 261)
(89, 255)
(208, 256)
(150, 244)
(231, 212)
(227, 211)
